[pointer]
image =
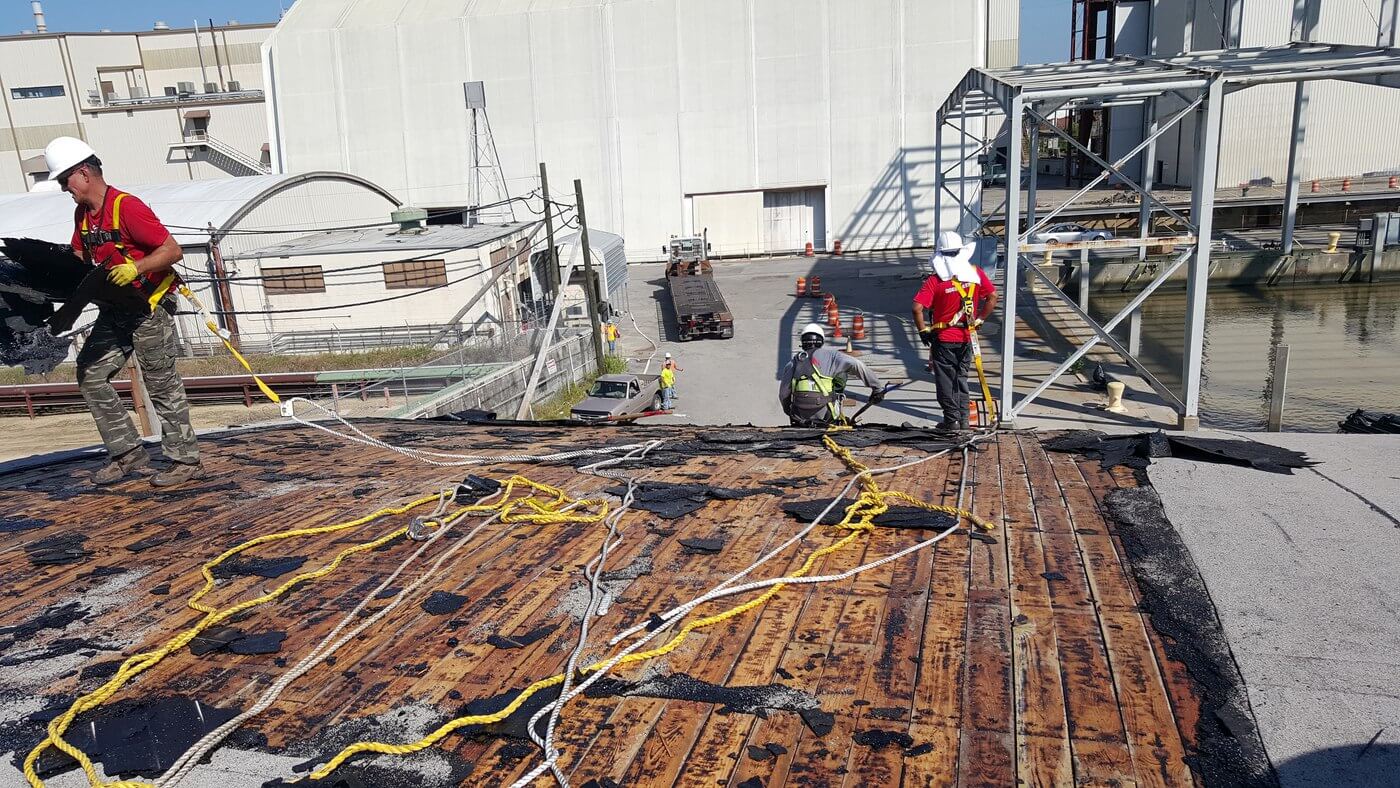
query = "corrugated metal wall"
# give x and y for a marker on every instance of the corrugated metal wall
(1254, 139)
(647, 101)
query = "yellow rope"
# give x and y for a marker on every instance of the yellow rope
(511, 508)
(214, 329)
(858, 520)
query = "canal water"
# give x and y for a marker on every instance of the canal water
(1343, 350)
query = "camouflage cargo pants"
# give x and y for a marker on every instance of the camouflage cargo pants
(113, 339)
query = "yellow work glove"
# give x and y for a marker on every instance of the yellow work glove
(123, 274)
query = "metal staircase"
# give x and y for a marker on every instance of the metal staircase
(235, 161)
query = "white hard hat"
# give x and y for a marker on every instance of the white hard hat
(65, 153)
(813, 328)
(668, 355)
(950, 241)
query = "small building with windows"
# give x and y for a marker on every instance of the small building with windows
(408, 280)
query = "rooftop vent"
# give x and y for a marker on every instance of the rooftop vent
(410, 220)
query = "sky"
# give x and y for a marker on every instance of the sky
(128, 15)
(1045, 31)
(1045, 24)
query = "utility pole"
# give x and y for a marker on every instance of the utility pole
(552, 264)
(588, 279)
(224, 292)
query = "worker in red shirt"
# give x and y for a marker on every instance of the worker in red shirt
(118, 232)
(959, 296)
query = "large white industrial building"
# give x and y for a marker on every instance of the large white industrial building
(1258, 121)
(159, 106)
(773, 123)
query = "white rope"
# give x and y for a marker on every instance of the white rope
(437, 458)
(593, 571)
(328, 645)
(722, 590)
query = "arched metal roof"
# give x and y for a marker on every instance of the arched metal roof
(222, 203)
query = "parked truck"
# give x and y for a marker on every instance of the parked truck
(700, 307)
(618, 396)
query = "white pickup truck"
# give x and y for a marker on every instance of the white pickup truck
(619, 395)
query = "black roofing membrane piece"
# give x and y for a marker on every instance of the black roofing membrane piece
(1138, 450)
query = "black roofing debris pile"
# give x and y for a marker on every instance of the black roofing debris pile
(269, 568)
(236, 641)
(165, 536)
(12, 525)
(1174, 596)
(133, 738)
(1372, 422)
(440, 603)
(521, 641)
(674, 501)
(758, 699)
(702, 546)
(34, 275)
(57, 549)
(894, 517)
(1138, 450)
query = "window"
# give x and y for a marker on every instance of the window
(43, 91)
(415, 273)
(294, 279)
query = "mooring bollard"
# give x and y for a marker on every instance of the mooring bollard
(1115, 397)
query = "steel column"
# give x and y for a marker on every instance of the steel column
(1295, 142)
(1149, 171)
(1013, 260)
(1084, 280)
(1207, 158)
(938, 191)
(1033, 176)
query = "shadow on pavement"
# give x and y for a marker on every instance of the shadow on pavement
(1358, 765)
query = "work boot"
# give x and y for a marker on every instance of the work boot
(120, 466)
(178, 473)
(964, 425)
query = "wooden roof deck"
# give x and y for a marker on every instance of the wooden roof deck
(1023, 658)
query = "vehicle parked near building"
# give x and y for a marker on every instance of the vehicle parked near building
(613, 396)
(1057, 234)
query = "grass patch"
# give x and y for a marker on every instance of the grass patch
(558, 406)
(225, 364)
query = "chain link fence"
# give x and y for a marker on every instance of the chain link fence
(479, 375)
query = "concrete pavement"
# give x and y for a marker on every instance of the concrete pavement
(736, 381)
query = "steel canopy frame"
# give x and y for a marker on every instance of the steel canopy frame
(1200, 80)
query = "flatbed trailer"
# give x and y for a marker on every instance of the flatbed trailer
(700, 307)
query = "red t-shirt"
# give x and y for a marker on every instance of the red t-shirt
(942, 300)
(141, 232)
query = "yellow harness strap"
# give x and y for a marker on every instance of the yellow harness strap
(213, 327)
(968, 307)
(165, 284)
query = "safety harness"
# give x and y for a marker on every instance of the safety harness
(968, 310)
(93, 238)
(814, 396)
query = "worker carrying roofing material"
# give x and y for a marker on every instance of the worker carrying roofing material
(815, 379)
(960, 296)
(118, 232)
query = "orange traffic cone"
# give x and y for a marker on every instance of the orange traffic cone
(801, 287)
